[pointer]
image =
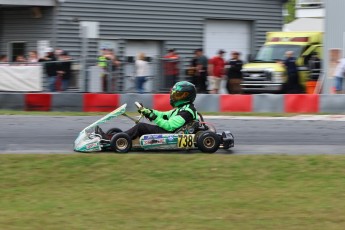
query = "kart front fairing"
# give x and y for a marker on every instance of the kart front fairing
(88, 140)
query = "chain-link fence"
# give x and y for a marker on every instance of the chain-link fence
(97, 75)
(106, 76)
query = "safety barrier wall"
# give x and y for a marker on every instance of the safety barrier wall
(93, 102)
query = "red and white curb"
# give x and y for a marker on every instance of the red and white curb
(292, 118)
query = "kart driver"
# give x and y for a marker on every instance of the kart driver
(182, 96)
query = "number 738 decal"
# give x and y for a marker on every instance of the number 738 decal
(185, 140)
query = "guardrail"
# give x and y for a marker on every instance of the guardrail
(93, 102)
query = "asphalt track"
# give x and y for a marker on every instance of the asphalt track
(55, 134)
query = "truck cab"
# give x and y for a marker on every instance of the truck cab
(265, 73)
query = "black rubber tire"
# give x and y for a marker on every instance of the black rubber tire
(113, 131)
(208, 142)
(121, 143)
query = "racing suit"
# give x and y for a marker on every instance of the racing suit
(166, 122)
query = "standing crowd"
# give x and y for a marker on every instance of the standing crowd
(57, 65)
(207, 74)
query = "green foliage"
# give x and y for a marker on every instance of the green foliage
(290, 7)
(171, 191)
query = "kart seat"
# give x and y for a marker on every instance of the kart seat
(189, 128)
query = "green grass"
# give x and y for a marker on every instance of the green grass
(157, 191)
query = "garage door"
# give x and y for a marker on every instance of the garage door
(152, 50)
(228, 35)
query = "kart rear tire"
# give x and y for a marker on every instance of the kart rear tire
(113, 131)
(121, 143)
(208, 142)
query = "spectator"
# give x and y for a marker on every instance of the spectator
(115, 63)
(64, 71)
(192, 70)
(234, 73)
(3, 60)
(339, 76)
(20, 60)
(102, 63)
(109, 63)
(50, 67)
(292, 85)
(58, 52)
(142, 72)
(216, 71)
(171, 70)
(102, 59)
(202, 63)
(314, 66)
(33, 57)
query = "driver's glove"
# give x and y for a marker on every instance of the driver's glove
(144, 111)
(148, 113)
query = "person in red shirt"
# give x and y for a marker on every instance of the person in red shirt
(216, 71)
(171, 70)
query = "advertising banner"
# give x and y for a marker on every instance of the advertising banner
(21, 78)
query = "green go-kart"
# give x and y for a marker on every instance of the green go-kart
(194, 135)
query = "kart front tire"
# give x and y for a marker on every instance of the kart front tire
(113, 131)
(121, 143)
(208, 142)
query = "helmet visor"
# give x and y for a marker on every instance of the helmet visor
(177, 96)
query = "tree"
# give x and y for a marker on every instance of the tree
(290, 7)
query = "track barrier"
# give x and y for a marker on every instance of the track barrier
(161, 102)
(38, 102)
(94, 102)
(301, 103)
(236, 103)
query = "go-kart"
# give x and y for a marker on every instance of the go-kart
(194, 135)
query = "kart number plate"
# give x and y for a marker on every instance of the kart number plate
(185, 140)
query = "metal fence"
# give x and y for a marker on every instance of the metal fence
(91, 75)
(107, 77)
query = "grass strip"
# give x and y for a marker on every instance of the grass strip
(173, 191)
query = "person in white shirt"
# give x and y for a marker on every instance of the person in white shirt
(339, 76)
(142, 72)
(33, 57)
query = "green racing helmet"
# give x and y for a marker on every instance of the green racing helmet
(182, 93)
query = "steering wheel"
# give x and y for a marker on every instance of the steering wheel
(138, 105)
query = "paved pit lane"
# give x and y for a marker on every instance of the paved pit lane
(56, 134)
